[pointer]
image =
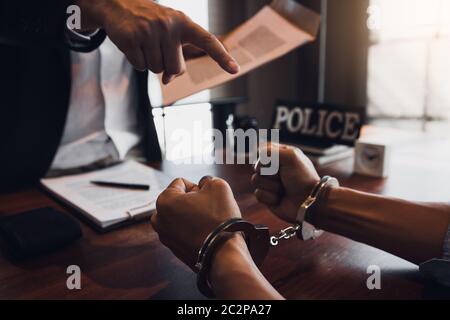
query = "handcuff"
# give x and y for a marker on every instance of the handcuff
(257, 237)
(302, 229)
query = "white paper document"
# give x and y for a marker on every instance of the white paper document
(274, 31)
(108, 206)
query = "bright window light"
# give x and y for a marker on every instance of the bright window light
(195, 110)
(409, 69)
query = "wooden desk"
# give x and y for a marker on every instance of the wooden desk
(132, 264)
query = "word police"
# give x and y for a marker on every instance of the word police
(328, 124)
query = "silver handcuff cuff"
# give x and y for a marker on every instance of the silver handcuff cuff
(302, 229)
(257, 236)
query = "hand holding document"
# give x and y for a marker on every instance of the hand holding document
(274, 31)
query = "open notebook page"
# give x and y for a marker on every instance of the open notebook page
(107, 206)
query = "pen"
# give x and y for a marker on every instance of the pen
(130, 186)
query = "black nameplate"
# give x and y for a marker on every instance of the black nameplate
(319, 124)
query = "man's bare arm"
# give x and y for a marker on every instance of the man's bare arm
(411, 230)
(235, 276)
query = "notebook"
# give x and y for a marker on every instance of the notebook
(108, 206)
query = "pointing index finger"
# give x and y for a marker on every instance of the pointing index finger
(199, 37)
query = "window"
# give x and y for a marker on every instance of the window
(409, 65)
(191, 112)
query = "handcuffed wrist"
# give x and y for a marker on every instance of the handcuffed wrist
(314, 213)
(256, 237)
(303, 229)
(233, 249)
(315, 197)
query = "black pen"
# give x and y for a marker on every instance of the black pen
(130, 186)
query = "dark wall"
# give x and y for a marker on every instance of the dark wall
(347, 52)
(270, 82)
(225, 15)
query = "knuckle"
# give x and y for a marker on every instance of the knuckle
(208, 38)
(142, 24)
(292, 153)
(158, 69)
(178, 180)
(145, 33)
(220, 184)
(181, 18)
(173, 69)
(153, 63)
(181, 15)
(130, 42)
(165, 24)
(125, 44)
(130, 34)
(155, 67)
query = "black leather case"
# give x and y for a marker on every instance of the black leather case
(38, 232)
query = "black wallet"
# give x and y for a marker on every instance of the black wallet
(35, 233)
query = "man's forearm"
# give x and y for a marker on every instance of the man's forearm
(413, 231)
(234, 275)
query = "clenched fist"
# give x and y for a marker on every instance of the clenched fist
(187, 213)
(286, 191)
(152, 36)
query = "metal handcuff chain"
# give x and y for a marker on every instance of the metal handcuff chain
(285, 234)
(303, 229)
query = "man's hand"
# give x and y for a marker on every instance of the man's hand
(192, 52)
(285, 192)
(152, 36)
(188, 213)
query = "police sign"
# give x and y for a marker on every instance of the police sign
(318, 124)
